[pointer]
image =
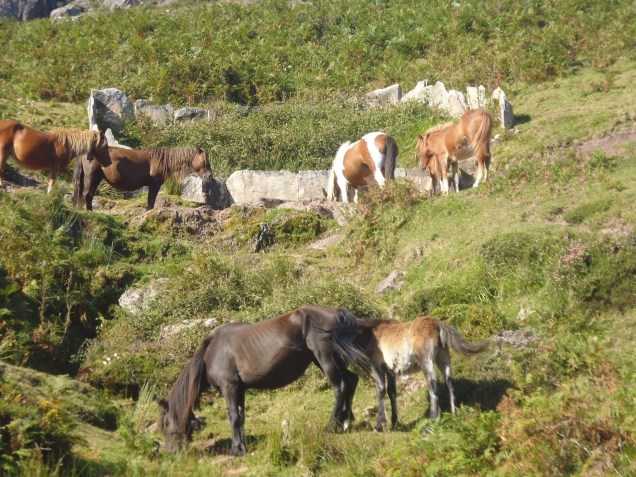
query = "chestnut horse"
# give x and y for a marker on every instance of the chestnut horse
(268, 354)
(403, 348)
(446, 144)
(129, 170)
(369, 161)
(37, 150)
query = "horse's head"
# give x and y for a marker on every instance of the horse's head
(201, 165)
(175, 433)
(425, 153)
(100, 148)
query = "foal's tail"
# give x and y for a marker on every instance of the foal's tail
(186, 389)
(449, 336)
(481, 141)
(343, 337)
(390, 158)
(78, 181)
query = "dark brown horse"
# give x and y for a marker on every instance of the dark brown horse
(129, 170)
(37, 150)
(444, 145)
(403, 348)
(266, 355)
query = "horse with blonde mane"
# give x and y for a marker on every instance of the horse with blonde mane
(37, 150)
(369, 161)
(446, 144)
(129, 170)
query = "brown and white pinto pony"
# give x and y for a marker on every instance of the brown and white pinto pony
(446, 144)
(369, 161)
(37, 150)
(403, 348)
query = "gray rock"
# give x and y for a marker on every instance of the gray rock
(419, 177)
(215, 195)
(247, 186)
(69, 10)
(439, 96)
(421, 93)
(160, 115)
(171, 330)
(311, 184)
(189, 115)
(392, 282)
(456, 103)
(476, 97)
(116, 4)
(384, 97)
(112, 142)
(109, 108)
(138, 299)
(327, 242)
(24, 10)
(506, 114)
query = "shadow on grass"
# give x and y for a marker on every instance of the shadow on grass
(522, 119)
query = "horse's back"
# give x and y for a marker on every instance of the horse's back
(128, 169)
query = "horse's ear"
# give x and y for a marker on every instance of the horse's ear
(420, 137)
(164, 404)
(198, 150)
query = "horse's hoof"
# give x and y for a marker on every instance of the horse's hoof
(238, 451)
(379, 428)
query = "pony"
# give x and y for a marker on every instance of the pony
(446, 144)
(369, 161)
(37, 150)
(401, 348)
(129, 170)
(265, 355)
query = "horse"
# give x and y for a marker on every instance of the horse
(129, 170)
(369, 161)
(37, 150)
(401, 348)
(265, 355)
(446, 144)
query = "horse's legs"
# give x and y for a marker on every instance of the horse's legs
(153, 189)
(355, 195)
(4, 154)
(344, 187)
(444, 365)
(235, 400)
(54, 170)
(456, 175)
(427, 365)
(93, 177)
(433, 183)
(392, 388)
(380, 389)
(342, 389)
(351, 381)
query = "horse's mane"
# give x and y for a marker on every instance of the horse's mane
(439, 127)
(78, 142)
(172, 161)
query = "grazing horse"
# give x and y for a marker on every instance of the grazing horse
(36, 150)
(129, 170)
(369, 161)
(446, 144)
(266, 355)
(403, 348)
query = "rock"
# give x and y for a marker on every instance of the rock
(190, 115)
(456, 103)
(421, 92)
(200, 221)
(384, 97)
(439, 96)
(109, 108)
(112, 142)
(246, 186)
(311, 184)
(245, 110)
(24, 10)
(160, 115)
(69, 10)
(116, 4)
(476, 97)
(171, 330)
(506, 115)
(392, 282)
(420, 178)
(327, 242)
(216, 196)
(138, 299)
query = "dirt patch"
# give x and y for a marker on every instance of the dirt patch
(609, 144)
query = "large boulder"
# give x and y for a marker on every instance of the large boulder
(421, 92)
(24, 10)
(248, 186)
(112, 142)
(420, 178)
(69, 10)
(439, 96)
(190, 115)
(160, 115)
(116, 4)
(506, 115)
(215, 195)
(109, 108)
(476, 97)
(384, 97)
(311, 184)
(456, 103)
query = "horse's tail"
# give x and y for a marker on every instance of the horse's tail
(343, 337)
(449, 336)
(390, 158)
(331, 184)
(186, 389)
(78, 180)
(481, 141)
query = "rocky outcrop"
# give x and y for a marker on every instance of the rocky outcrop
(160, 115)
(112, 142)
(138, 299)
(421, 92)
(392, 282)
(117, 4)
(420, 177)
(200, 221)
(69, 10)
(506, 116)
(476, 97)
(456, 104)
(190, 115)
(385, 97)
(109, 108)
(247, 186)
(311, 184)
(24, 10)
(215, 194)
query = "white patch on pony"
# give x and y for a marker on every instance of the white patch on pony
(377, 156)
(338, 169)
(400, 359)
